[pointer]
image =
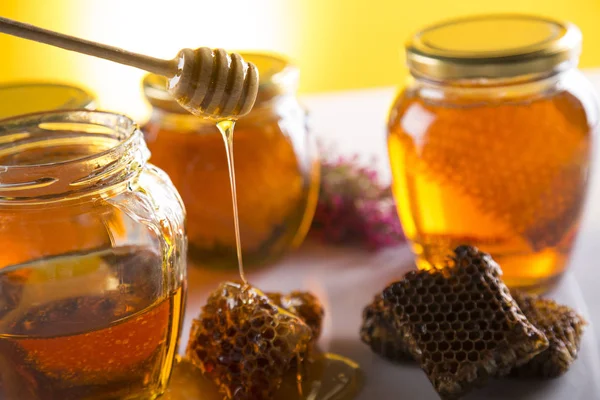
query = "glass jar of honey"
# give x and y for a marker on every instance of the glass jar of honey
(490, 143)
(30, 97)
(93, 266)
(276, 169)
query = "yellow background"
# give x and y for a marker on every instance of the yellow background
(338, 44)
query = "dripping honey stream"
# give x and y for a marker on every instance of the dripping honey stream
(226, 127)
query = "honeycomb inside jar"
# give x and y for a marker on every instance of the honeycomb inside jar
(506, 175)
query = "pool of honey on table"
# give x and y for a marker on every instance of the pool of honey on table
(507, 177)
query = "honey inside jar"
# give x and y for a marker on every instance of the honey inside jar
(493, 147)
(74, 338)
(275, 167)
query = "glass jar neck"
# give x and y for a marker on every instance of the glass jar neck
(524, 86)
(57, 156)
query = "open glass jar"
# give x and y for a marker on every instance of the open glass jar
(490, 143)
(276, 169)
(93, 267)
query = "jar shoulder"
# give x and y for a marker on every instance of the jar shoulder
(570, 99)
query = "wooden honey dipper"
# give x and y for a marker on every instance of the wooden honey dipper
(208, 83)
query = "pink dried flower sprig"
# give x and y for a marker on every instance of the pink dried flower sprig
(354, 207)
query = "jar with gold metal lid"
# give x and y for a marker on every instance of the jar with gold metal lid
(20, 98)
(276, 169)
(490, 143)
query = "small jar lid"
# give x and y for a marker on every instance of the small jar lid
(493, 46)
(277, 75)
(32, 97)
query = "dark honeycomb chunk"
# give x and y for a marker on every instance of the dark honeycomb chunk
(563, 327)
(461, 324)
(304, 305)
(244, 343)
(379, 333)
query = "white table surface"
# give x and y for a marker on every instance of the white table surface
(346, 279)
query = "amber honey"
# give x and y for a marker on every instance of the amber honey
(107, 335)
(493, 152)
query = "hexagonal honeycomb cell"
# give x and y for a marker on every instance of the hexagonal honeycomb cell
(378, 332)
(562, 326)
(461, 324)
(244, 343)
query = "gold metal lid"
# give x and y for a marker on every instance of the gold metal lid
(493, 46)
(32, 97)
(276, 73)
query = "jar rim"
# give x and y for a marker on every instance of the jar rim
(493, 46)
(48, 96)
(93, 150)
(277, 75)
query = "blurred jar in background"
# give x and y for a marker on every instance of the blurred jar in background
(29, 97)
(276, 169)
(491, 141)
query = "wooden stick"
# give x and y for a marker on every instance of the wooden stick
(26, 31)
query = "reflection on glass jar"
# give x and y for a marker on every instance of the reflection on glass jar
(93, 267)
(275, 164)
(491, 141)
(30, 97)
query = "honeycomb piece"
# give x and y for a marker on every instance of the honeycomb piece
(304, 305)
(461, 324)
(563, 327)
(244, 343)
(378, 332)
